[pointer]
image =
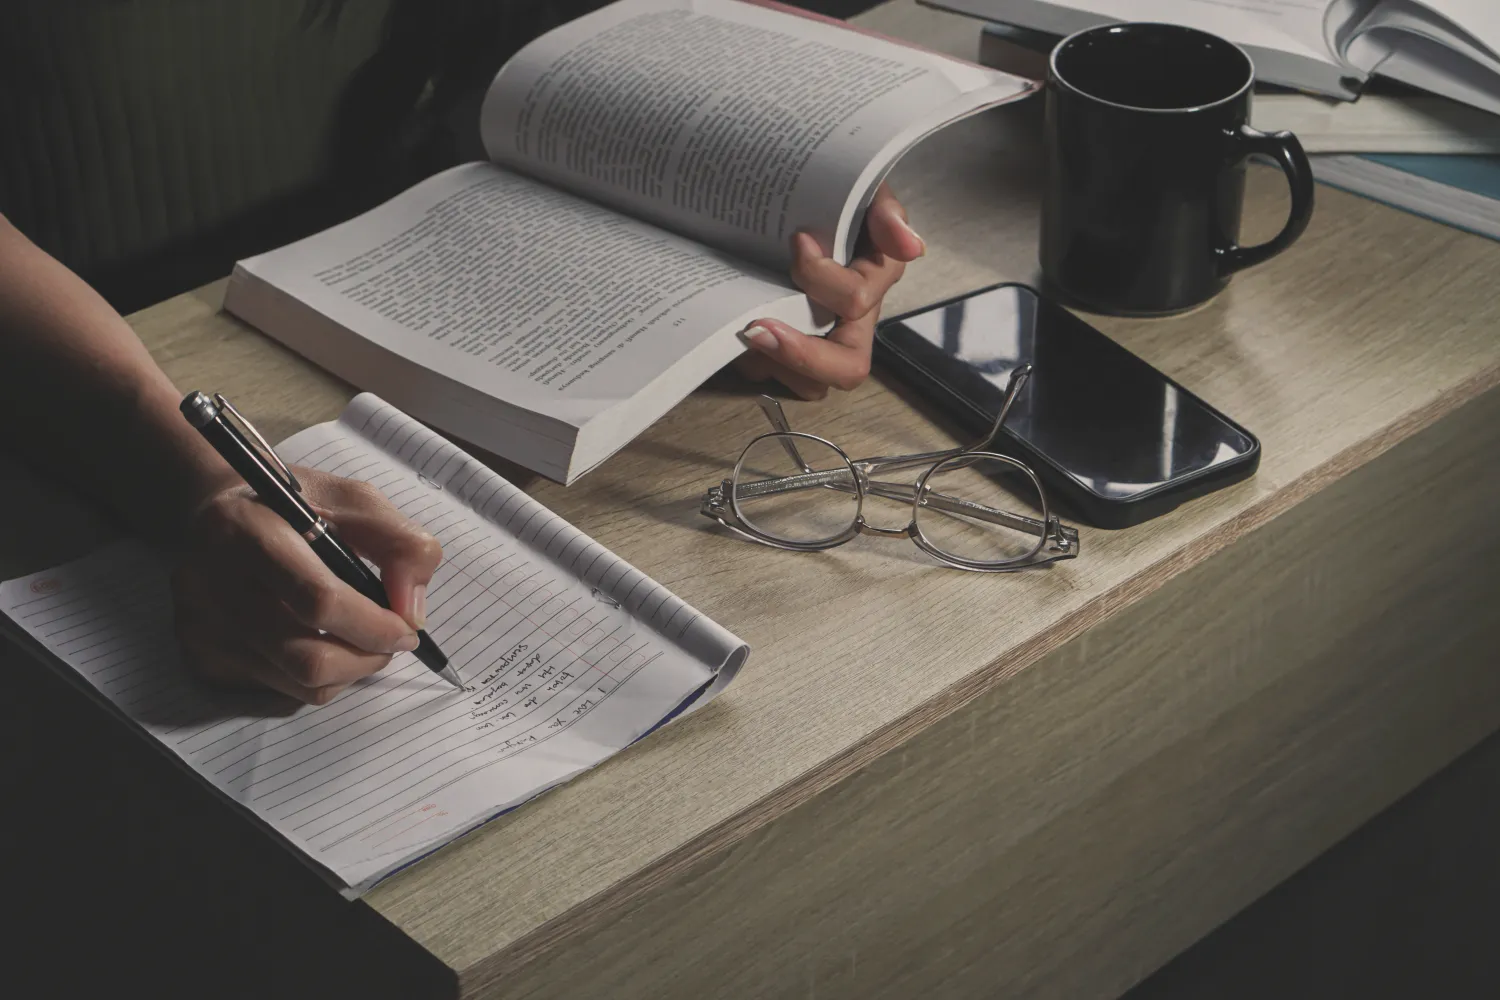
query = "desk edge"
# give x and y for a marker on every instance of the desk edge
(613, 900)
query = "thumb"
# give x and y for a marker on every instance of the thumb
(885, 220)
(406, 553)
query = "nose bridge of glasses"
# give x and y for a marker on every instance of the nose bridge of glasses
(866, 528)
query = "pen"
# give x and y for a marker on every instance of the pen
(279, 490)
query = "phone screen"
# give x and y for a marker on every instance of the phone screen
(1102, 416)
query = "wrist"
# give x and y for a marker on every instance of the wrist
(182, 476)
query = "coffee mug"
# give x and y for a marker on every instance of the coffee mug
(1146, 139)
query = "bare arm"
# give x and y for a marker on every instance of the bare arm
(82, 401)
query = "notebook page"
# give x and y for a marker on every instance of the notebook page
(568, 654)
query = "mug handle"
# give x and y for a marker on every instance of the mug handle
(1286, 150)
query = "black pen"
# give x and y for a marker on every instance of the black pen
(279, 490)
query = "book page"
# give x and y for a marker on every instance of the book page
(732, 123)
(1293, 27)
(1364, 32)
(1448, 47)
(524, 293)
(1479, 18)
(1290, 26)
(568, 654)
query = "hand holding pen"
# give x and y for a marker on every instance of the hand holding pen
(257, 605)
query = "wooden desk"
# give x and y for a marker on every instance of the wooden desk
(932, 783)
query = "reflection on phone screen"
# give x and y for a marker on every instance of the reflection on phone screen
(1100, 414)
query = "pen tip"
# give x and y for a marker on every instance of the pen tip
(451, 676)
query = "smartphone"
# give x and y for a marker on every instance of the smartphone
(1114, 441)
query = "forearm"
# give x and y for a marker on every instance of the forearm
(82, 401)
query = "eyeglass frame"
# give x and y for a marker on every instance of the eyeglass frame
(1055, 540)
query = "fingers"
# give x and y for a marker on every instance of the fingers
(258, 633)
(406, 553)
(263, 623)
(759, 368)
(842, 359)
(252, 538)
(850, 292)
(885, 222)
(209, 654)
(807, 365)
(256, 606)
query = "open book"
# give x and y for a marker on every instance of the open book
(1387, 117)
(1448, 47)
(567, 652)
(649, 166)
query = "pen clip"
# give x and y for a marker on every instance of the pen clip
(267, 451)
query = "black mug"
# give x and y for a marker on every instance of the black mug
(1146, 139)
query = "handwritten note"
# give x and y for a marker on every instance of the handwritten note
(568, 654)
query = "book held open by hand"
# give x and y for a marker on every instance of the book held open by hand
(568, 654)
(650, 164)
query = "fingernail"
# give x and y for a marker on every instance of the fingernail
(419, 605)
(920, 242)
(761, 339)
(405, 644)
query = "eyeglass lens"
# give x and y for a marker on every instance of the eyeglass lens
(970, 529)
(776, 496)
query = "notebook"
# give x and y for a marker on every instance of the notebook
(567, 652)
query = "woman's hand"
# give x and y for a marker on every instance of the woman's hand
(256, 606)
(809, 365)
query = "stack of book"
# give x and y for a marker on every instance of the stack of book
(1395, 100)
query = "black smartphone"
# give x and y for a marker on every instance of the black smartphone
(1114, 440)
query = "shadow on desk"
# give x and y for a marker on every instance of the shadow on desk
(141, 909)
(1407, 906)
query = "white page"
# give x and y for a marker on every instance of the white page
(522, 292)
(1461, 27)
(1286, 39)
(568, 654)
(1294, 26)
(729, 122)
(1449, 47)
(1288, 25)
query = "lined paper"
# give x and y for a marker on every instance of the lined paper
(567, 652)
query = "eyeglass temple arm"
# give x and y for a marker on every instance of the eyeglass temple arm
(957, 505)
(891, 463)
(772, 409)
(894, 463)
(1018, 379)
(838, 479)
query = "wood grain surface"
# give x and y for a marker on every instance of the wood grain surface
(1071, 829)
(879, 683)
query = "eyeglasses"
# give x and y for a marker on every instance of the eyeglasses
(970, 508)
